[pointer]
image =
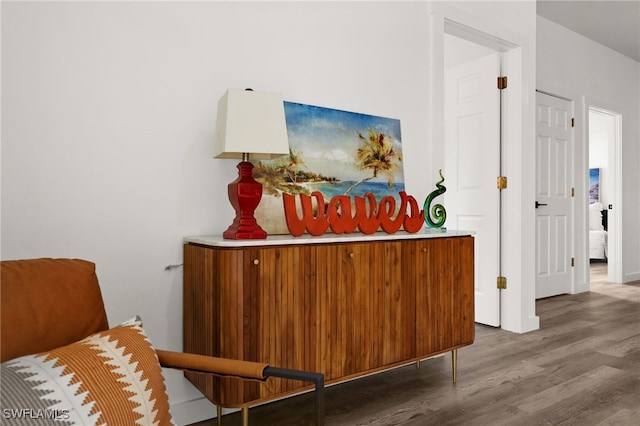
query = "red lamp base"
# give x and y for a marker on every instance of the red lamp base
(245, 195)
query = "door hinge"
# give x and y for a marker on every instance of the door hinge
(573, 262)
(502, 182)
(502, 283)
(502, 82)
(573, 122)
(573, 192)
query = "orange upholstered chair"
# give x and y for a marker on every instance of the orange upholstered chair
(61, 360)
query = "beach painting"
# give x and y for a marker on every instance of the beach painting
(594, 186)
(334, 152)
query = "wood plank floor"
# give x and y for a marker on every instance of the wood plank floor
(581, 368)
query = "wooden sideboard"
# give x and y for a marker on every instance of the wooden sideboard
(344, 306)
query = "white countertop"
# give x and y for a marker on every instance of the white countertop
(278, 240)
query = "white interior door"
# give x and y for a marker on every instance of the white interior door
(554, 202)
(472, 164)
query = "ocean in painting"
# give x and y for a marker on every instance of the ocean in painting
(378, 189)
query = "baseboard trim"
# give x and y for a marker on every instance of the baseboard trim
(632, 277)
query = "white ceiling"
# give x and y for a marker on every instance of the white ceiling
(613, 23)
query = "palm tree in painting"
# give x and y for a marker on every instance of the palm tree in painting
(284, 175)
(292, 165)
(377, 155)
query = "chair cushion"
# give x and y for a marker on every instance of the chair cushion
(112, 378)
(48, 303)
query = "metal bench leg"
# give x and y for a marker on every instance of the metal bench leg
(219, 414)
(306, 376)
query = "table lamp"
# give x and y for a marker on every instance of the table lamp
(249, 123)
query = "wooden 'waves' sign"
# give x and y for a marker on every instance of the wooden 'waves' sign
(343, 217)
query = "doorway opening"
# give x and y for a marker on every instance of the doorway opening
(473, 127)
(472, 161)
(604, 141)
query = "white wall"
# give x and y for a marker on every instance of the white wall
(108, 113)
(576, 67)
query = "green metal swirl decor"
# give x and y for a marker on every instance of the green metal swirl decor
(437, 211)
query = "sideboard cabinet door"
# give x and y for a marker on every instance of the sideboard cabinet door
(212, 316)
(279, 302)
(350, 298)
(444, 293)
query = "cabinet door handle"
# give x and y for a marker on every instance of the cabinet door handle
(256, 261)
(352, 255)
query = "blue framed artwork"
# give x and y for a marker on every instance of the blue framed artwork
(334, 152)
(594, 186)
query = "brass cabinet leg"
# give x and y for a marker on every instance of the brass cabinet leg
(219, 414)
(245, 415)
(418, 364)
(454, 364)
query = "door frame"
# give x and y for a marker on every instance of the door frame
(518, 309)
(581, 184)
(614, 266)
(500, 47)
(581, 278)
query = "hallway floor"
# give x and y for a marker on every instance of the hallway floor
(581, 368)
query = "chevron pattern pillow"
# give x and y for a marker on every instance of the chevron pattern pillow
(109, 378)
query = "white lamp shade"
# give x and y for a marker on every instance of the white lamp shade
(251, 122)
